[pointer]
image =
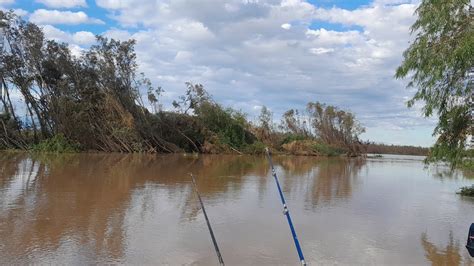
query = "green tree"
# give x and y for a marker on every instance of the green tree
(440, 65)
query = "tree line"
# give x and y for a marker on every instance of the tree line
(54, 100)
(379, 148)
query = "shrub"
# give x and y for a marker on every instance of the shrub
(327, 150)
(227, 124)
(292, 137)
(257, 147)
(56, 144)
(300, 147)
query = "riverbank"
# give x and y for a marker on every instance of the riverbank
(300, 148)
(280, 143)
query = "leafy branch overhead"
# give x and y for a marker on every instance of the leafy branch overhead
(440, 66)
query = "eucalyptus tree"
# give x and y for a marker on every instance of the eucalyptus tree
(10, 125)
(293, 123)
(194, 96)
(21, 67)
(93, 99)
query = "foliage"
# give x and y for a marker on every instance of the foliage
(312, 147)
(467, 191)
(56, 144)
(221, 126)
(378, 148)
(327, 150)
(334, 126)
(293, 123)
(257, 147)
(292, 137)
(467, 164)
(376, 156)
(264, 130)
(229, 125)
(185, 132)
(265, 119)
(195, 95)
(300, 147)
(440, 64)
(92, 99)
(153, 96)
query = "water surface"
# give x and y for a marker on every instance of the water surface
(141, 209)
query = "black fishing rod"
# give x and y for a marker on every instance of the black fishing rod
(216, 247)
(285, 210)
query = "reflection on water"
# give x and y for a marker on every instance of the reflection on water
(449, 255)
(113, 208)
(335, 180)
(448, 173)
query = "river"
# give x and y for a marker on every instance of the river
(141, 209)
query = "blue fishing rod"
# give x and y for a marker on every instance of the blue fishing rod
(214, 241)
(285, 210)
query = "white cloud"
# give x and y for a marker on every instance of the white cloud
(118, 34)
(113, 4)
(330, 37)
(76, 40)
(379, 20)
(239, 51)
(43, 16)
(321, 50)
(286, 26)
(393, 2)
(183, 56)
(6, 2)
(84, 38)
(56, 34)
(63, 3)
(191, 31)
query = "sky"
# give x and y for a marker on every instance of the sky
(252, 53)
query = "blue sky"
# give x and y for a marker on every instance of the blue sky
(250, 53)
(345, 4)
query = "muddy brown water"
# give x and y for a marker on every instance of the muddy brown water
(141, 209)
